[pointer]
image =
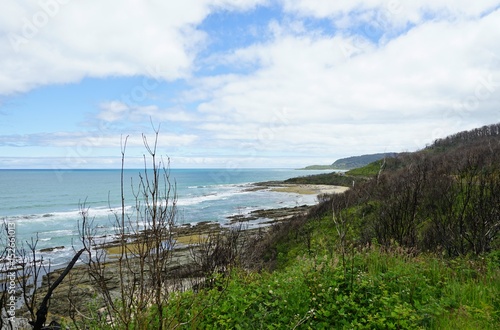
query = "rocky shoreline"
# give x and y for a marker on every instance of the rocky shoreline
(78, 286)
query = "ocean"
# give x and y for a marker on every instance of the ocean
(46, 203)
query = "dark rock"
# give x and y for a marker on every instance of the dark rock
(52, 249)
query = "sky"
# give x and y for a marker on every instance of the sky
(241, 83)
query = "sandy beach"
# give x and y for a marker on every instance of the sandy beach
(306, 189)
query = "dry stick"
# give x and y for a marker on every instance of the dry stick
(304, 319)
(41, 314)
(123, 253)
(382, 166)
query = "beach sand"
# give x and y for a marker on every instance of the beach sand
(305, 189)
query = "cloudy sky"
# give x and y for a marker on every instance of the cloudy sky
(241, 83)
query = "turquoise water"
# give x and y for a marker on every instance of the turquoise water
(46, 202)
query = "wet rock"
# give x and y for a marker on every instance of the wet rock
(52, 249)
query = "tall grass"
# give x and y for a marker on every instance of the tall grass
(382, 289)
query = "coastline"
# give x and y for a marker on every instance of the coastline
(187, 237)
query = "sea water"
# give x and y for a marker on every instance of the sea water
(46, 204)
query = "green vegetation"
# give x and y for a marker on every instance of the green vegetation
(353, 176)
(373, 288)
(413, 244)
(319, 167)
(414, 247)
(369, 170)
(352, 162)
(335, 178)
(375, 168)
(346, 179)
(360, 161)
(356, 175)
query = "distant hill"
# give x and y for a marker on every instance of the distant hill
(360, 161)
(352, 162)
(320, 167)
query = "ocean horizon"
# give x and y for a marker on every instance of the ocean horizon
(45, 203)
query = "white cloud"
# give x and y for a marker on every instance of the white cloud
(308, 95)
(63, 41)
(175, 115)
(85, 140)
(112, 111)
(389, 12)
(117, 111)
(298, 91)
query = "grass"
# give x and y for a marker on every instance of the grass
(387, 291)
(317, 286)
(369, 170)
(372, 169)
(347, 178)
(376, 289)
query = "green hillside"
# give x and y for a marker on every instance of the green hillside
(351, 177)
(413, 244)
(359, 161)
(352, 162)
(414, 247)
